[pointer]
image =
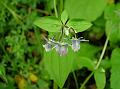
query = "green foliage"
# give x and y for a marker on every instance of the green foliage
(113, 22)
(85, 9)
(22, 43)
(100, 78)
(53, 24)
(50, 24)
(88, 50)
(79, 25)
(9, 85)
(115, 73)
(83, 59)
(2, 70)
(58, 66)
(83, 62)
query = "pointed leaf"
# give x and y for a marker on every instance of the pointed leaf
(100, 78)
(48, 23)
(58, 66)
(79, 25)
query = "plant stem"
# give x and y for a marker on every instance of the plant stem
(55, 86)
(86, 80)
(76, 83)
(55, 9)
(102, 54)
(98, 63)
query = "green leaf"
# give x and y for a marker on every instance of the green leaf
(79, 25)
(113, 22)
(106, 63)
(85, 9)
(84, 57)
(80, 62)
(58, 67)
(48, 23)
(100, 78)
(115, 70)
(83, 52)
(114, 28)
(64, 16)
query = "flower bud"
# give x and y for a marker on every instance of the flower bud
(66, 30)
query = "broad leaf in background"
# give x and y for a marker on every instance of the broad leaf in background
(113, 22)
(85, 58)
(64, 16)
(85, 9)
(51, 24)
(106, 63)
(88, 50)
(79, 25)
(81, 62)
(100, 78)
(58, 66)
(115, 70)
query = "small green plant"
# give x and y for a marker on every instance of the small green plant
(74, 43)
(66, 28)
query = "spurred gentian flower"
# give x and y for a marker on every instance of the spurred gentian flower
(62, 49)
(75, 44)
(48, 46)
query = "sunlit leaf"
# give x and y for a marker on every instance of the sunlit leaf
(58, 66)
(79, 25)
(50, 24)
(85, 9)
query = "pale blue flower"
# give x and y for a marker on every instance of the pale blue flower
(48, 46)
(62, 49)
(75, 44)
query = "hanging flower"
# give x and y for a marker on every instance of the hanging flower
(48, 46)
(62, 49)
(75, 44)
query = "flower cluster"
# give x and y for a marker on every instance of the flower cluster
(62, 47)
